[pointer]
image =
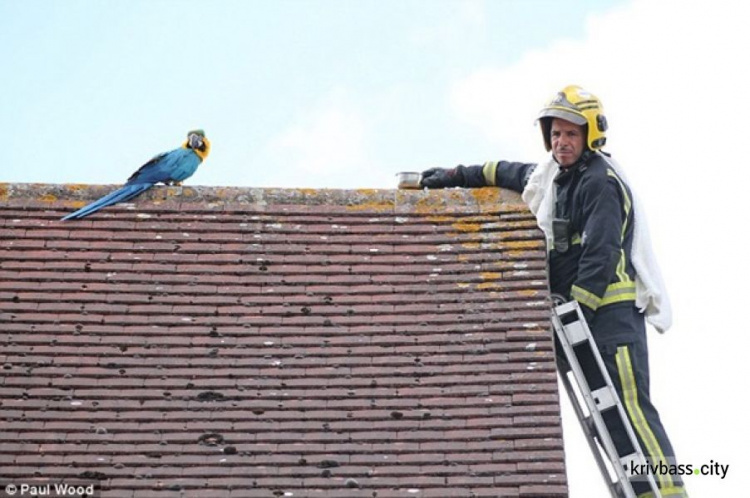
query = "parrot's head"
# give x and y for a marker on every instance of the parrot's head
(196, 140)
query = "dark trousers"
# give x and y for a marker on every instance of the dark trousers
(626, 360)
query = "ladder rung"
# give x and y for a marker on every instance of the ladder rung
(604, 398)
(632, 459)
(575, 332)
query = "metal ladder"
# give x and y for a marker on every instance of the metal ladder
(599, 399)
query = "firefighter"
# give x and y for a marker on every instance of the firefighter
(587, 212)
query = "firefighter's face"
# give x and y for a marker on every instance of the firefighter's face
(567, 141)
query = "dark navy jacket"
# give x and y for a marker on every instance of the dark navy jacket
(590, 258)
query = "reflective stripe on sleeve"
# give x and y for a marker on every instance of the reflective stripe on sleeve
(618, 292)
(489, 170)
(585, 297)
(615, 293)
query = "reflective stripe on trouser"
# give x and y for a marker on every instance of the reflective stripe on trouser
(627, 366)
(673, 492)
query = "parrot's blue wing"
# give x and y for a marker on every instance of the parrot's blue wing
(120, 195)
(147, 169)
(172, 166)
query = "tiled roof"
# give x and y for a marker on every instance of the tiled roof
(227, 342)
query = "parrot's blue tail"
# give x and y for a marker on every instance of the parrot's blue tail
(120, 195)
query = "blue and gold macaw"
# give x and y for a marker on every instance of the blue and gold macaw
(170, 168)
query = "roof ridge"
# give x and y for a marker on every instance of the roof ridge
(362, 199)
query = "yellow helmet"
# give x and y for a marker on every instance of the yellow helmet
(580, 107)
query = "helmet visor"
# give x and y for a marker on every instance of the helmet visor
(562, 113)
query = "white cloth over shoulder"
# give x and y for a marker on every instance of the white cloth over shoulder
(651, 294)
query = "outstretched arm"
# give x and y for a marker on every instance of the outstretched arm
(505, 174)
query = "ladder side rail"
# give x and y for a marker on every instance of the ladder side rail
(582, 419)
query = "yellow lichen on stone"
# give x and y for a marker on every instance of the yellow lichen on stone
(466, 227)
(490, 275)
(528, 292)
(379, 206)
(488, 286)
(492, 247)
(429, 205)
(487, 198)
(516, 208)
(523, 244)
(48, 198)
(471, 245)
(439, 219)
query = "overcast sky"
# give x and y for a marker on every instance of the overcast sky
(344, 94)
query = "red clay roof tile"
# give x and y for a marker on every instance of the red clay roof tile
(224, 342)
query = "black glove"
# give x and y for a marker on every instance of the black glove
(442, 177)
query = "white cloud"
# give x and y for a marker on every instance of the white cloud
(467, 16)
(654, 63)
(324, 147)
(672, 79)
